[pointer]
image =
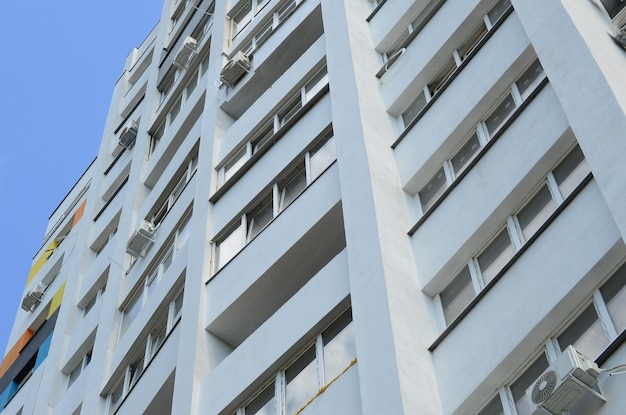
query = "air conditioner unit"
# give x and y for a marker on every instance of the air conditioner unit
(141, 240)
(619, 26)
(237, 67)
(185, 50)
(128, 135)
(570, 378)
(33, 298)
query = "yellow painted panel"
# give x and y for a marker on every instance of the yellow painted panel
(79, 213)
(40, 262)
(56, 301)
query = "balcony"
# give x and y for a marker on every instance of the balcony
(529, 304)
(515, 164)
(304, 237)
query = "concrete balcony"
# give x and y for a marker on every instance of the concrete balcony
(528, 304)
(265, 170)
(281, 50)
(262, 354)
(491, 191)
(462, 104)
(303, 238)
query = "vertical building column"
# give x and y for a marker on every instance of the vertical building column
(586, 69)
(393, 319)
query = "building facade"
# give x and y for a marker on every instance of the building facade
(342, 207)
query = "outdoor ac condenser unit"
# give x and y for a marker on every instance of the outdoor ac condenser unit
(237, 67)
(563, 384)
(185, 50)
(33, 298)
(141, 240)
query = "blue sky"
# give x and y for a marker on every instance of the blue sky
(59, 63)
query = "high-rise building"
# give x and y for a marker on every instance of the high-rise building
(343, 207)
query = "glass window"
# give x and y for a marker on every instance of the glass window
(518, 388)
(529, 79)
(465, 154)
(135, 369)
(259, 218)
(264, 404)
(339, 348)
(498, 11)
(442, 76)
(493, 408)
(287, 10)
(472, 41)
(457, 295)
(74, 374)
(263, 34)
(315, 84)
(183, 233)
(90, 304)
(157, 338)
(230, 246)
(414, 109)
(495, 256)
(178, 305)
(322, 156)
(263, 138)
(175, 110)
(614, 294)
(235, 163)
(301, 380)
(191, 85)
(571, 171)
(242, 18)
(586, 334)
(433, 190)
(289, 110)
(293, 185)
(536, 212)
(500, 114)
(131, 310)
(116, 397)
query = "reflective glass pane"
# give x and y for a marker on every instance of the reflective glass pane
(157, 338)
(230, 246)
(235, 163)
(414, 109)
(493, 408)
(442, 76)
(472, 40)
(498, 11)
(131, 310)
(259, 218)
(289, 110)
(263, 138)
(614, 294)
(178, 305)
(183, 233)
(465, 154)
(536, 212)
(135, 370)
(433, 190)
(116, 397)
(293, 188)
(287, 10)
(339, 349)
(302, 383)
(495, 256)
(457, 295)
(319, 81)
(264, 404)
(529, 79)
(571, 171)
(586, 334)
(518, 388)
(322, 156)
(242, 18)
(500, 114)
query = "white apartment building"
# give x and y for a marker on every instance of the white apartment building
(343, 207)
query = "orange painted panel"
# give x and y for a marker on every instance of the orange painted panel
(12, 355)
(79, 213)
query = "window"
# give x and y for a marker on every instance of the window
(585, 334)
(154, 275)
(246, 13)
(614, 295)
(264, 136)
(183, 178)
(283, 193)
(516, 232)
(479, 136)
(78, 369)
(93, 300)
(324, 360)
(147, 351)
(451, 63)
(457, 295)
(493, 408)
(518, 388)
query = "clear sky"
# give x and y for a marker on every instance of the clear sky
(59, 61)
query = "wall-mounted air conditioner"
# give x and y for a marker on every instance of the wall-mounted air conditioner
(189, 46)
(237, 67)
(33, 298)
(619, 26)
(127, 138)
(141, 240)
(569, 379)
